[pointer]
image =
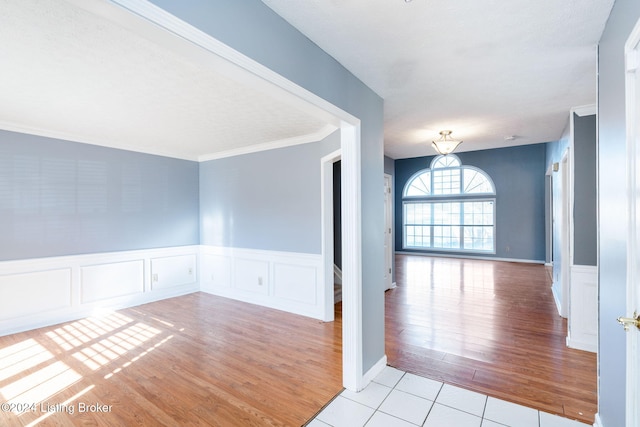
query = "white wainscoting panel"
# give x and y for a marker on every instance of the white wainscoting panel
(107, 281)
(42, 292)
(295, 283)
(215, 271)
(168, 272)
(583, 317)
(252, 275)
(38, 292)
(286, 281)
(46, 291)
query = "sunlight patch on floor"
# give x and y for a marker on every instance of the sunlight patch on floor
(21, 357)
(42, 384)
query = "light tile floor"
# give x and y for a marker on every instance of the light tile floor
(399, 399)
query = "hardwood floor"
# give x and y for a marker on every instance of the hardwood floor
(191, 360)
(490, 327)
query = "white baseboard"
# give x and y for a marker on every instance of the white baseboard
(598, 421)
(47, 291)
(556, 299)
(374, 371)
(287, 281)
(583, 316)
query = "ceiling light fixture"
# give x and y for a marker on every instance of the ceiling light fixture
(445, 145)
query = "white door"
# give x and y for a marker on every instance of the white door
(632, 57)
(388, 224)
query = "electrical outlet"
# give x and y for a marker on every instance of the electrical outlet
(190, 271)
(260, 281)
(155, 277)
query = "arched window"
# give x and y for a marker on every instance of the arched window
(449, 207)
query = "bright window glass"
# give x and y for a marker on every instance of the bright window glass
(449, 207)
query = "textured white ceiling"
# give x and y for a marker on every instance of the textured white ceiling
(69, 73)
(485, 69)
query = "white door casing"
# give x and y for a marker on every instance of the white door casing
(388, 225)
(632, 88)
(565, 233)
(326, 174)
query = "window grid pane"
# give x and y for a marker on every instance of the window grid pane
(420, 185)
(446, 181)
(476, 182)
(462, 225)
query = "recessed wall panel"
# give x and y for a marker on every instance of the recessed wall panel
(252, 276)
(216, 269)
(32, 293)
(101, 282)
(297, 283)
(168, 272)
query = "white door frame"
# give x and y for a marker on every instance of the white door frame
(565, 233)
(388, 232)
(155, 23)
(632, 89)
(326, 174)
(549, 218)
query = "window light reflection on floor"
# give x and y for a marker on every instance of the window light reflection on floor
(63, 404)
(42, 384)
(21, 357)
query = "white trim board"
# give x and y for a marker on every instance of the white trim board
(598, 421)
(556, 299)
(375, 370)
(327, 229)
(583, 307)
(303, 139)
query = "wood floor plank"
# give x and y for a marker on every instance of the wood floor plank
(191, 360)
(490, 327)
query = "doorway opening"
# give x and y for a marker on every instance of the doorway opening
(332, 232)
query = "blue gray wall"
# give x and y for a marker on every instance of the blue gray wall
(519, 176)
(612, 210)
(65, 198)
(585, 227)
(267, 200)
(253, 29)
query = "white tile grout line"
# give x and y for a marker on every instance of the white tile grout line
(377, 409)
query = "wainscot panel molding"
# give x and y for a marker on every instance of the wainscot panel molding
(285, 281)
(46, 291)
(583, 305)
